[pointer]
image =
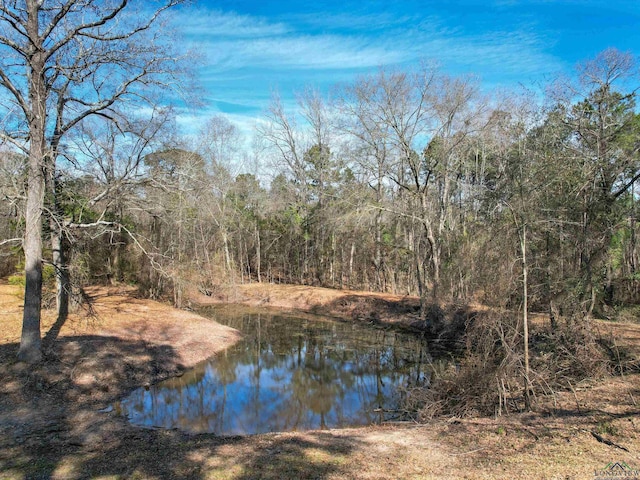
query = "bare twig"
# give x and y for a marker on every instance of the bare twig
(11, 240)
(574, 396)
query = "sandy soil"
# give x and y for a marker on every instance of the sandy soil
(116, 312)
(51, 426)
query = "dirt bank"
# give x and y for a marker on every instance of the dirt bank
(117, 312)
(350, 304)
(376, 308)
(51, 427)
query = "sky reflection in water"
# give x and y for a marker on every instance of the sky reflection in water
(287, 374)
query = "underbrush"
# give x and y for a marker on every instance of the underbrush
(48, 283)
(488, 377)
(627, 314)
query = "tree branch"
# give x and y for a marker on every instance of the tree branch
(11, 240)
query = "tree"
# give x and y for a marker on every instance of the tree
(220, 143)
(304, 154)
(371, 147)
(12, 193)
(396, 106)
(62, 63)
(515, 192)
(597, 138)
(412, 128)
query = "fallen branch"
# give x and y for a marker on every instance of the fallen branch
(608, 442)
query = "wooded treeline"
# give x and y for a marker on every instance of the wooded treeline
(411, 182)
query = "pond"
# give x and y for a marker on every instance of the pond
(287, 374)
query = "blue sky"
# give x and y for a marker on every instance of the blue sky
(250, 49)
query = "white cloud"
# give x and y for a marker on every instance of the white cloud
(498, 53)
(232, 42)
(328, 52)
(190, 122)
(247, 56)
(362, 22)
(201, 24)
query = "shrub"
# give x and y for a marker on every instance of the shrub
(488, 376)
(16, 280)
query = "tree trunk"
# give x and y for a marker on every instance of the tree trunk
(525, 318)
(258, 254)
(30, 341)
(377, 255)
(63, 281)
(227, 255)
(351, 255)
(58, 245)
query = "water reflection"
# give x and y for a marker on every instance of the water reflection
(287, 374)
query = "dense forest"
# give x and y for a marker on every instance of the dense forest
(411, 182)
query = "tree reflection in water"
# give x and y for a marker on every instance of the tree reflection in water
(287, 374)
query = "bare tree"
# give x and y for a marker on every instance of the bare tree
(63, 62)
(370, 148)
(220, 143)
(413, 126)
(280, 135)
(12, 195)
(303, 152)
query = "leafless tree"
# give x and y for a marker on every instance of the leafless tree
(63, 62)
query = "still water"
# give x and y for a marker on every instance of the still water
(287, 374)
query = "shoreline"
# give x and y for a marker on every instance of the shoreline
(51, 427)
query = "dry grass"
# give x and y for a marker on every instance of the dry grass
(50, 426)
